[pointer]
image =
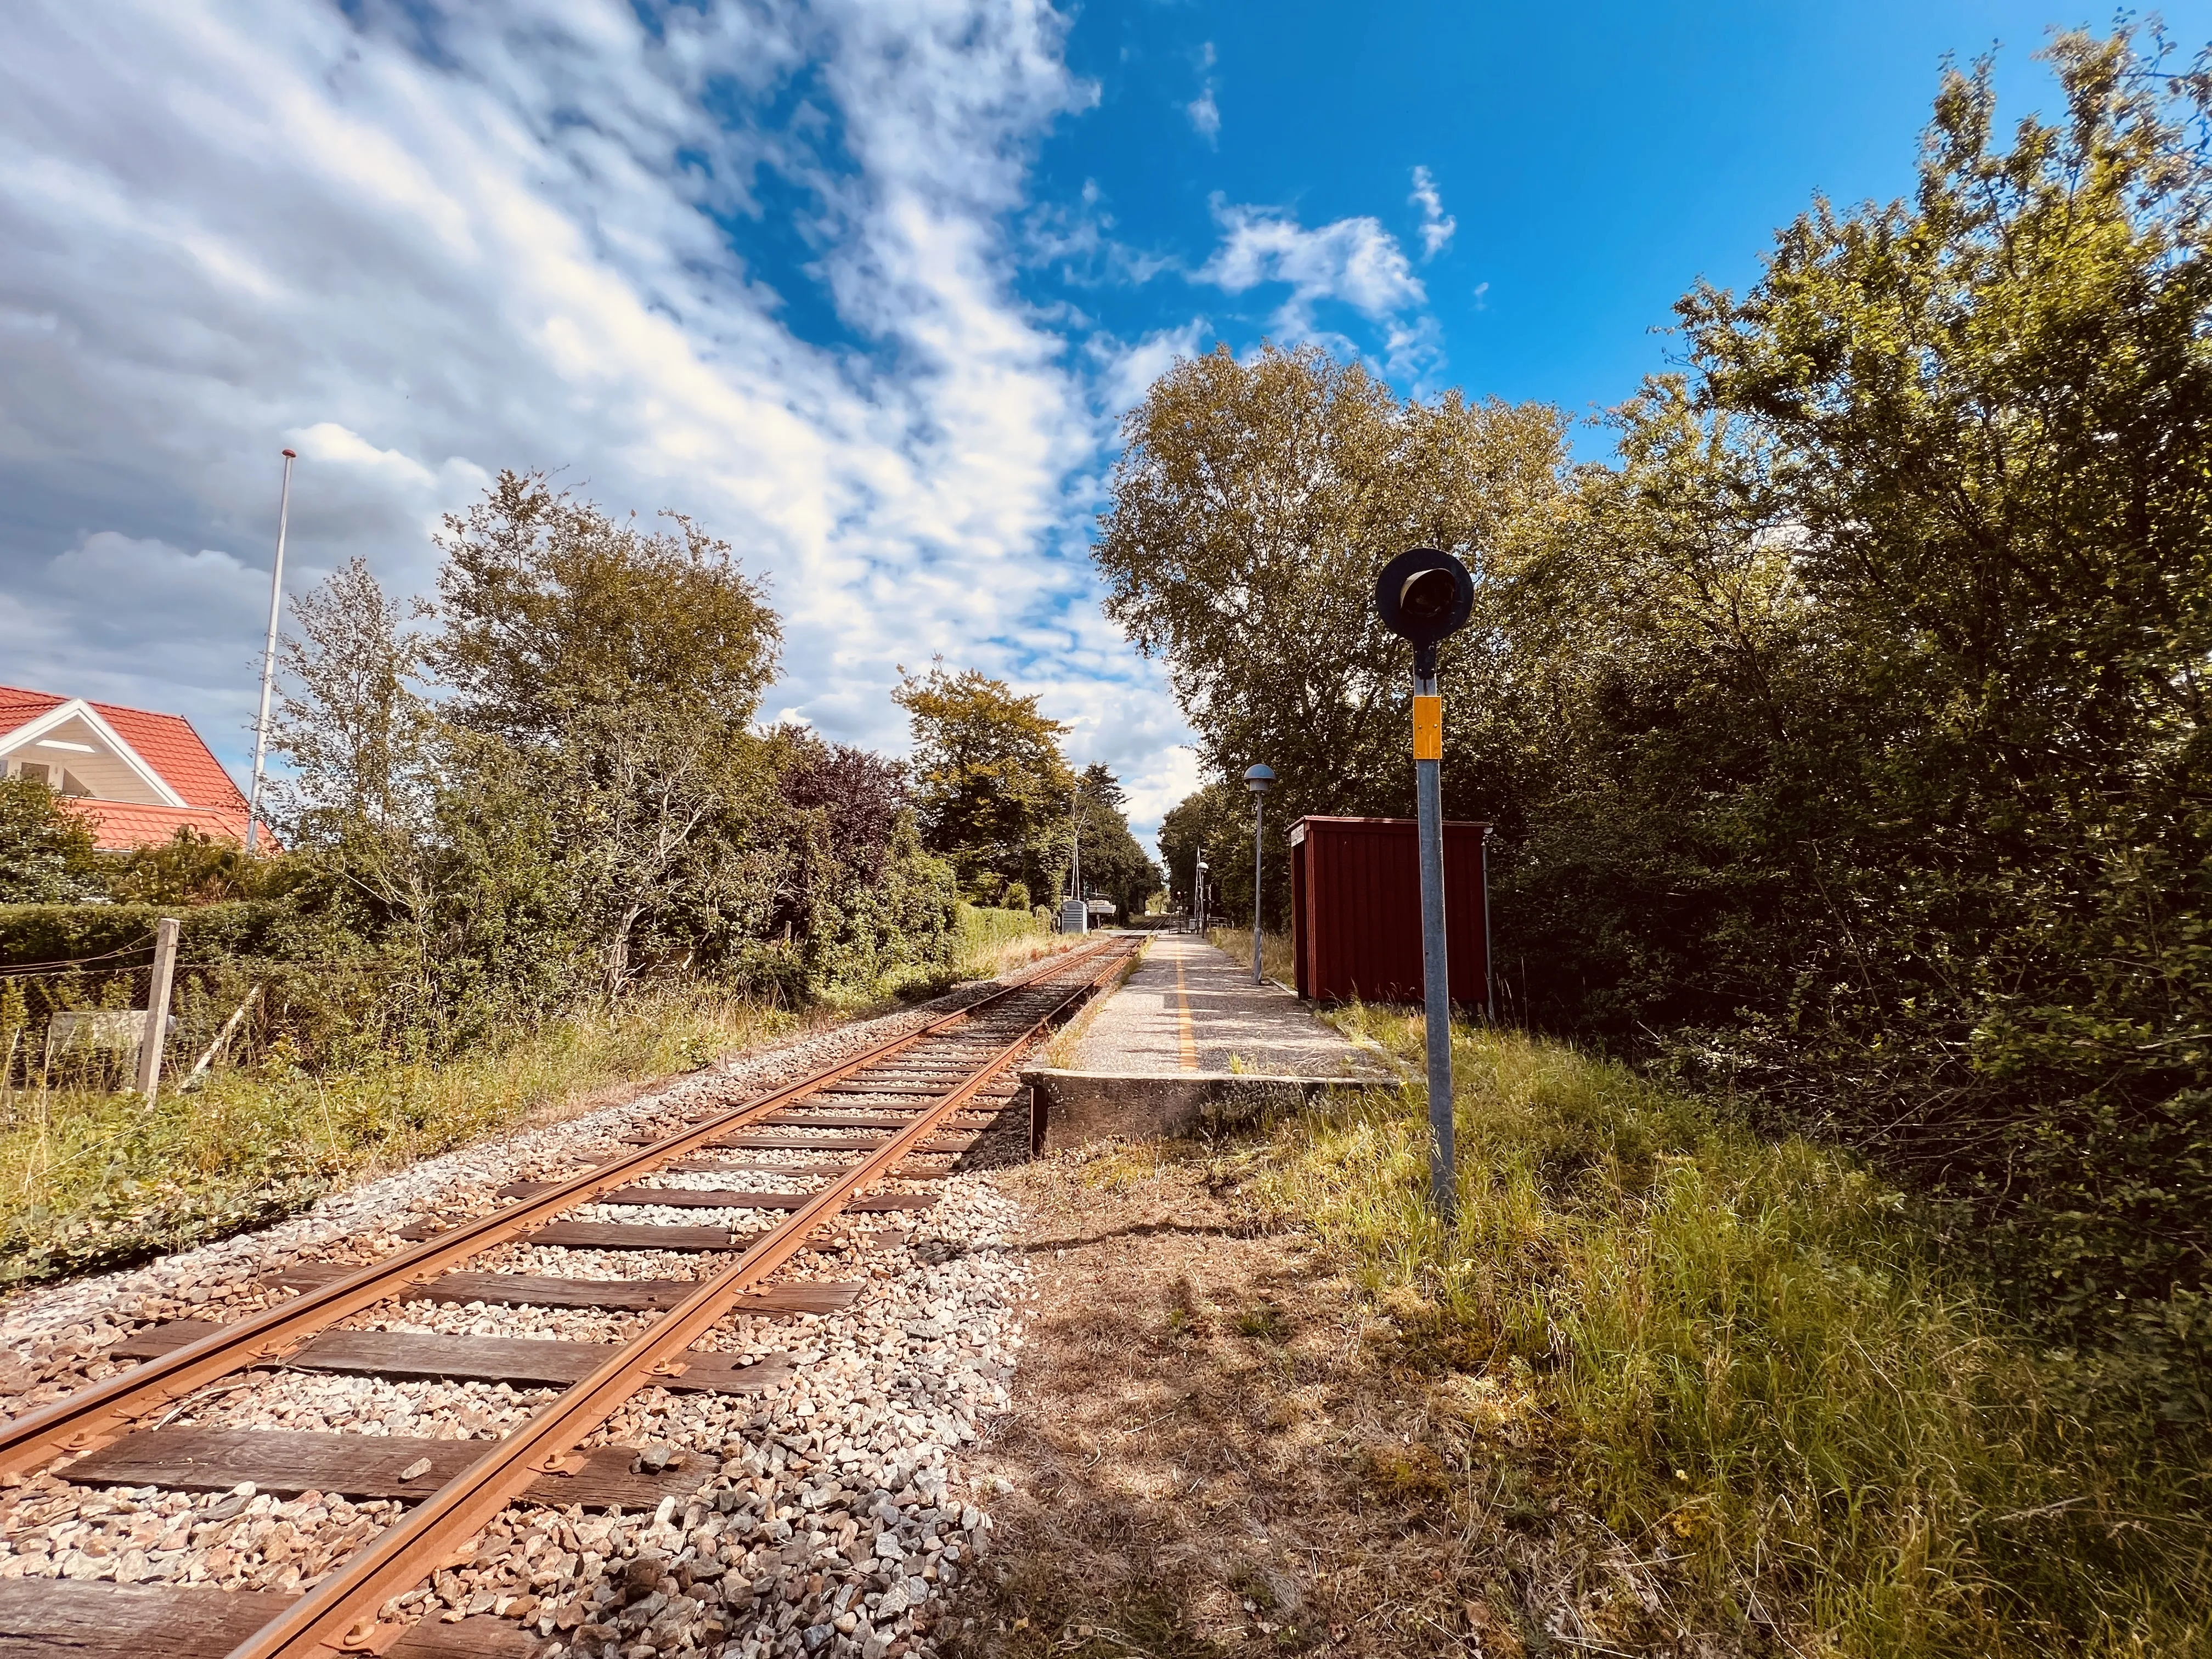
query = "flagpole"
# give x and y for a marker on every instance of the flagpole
(269, 652)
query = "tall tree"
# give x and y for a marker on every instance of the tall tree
(626, 667)
(1114, 865)
(1253, 506)
(1212, 823)
(350, 718)
(995, 794)
(366, 754)
(1848, 726)
(1876, 680)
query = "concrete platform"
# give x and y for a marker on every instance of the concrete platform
(1189, 1042)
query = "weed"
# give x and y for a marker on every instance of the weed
(1740, 1354)
(91, 1180)
(1263, 1320)
(994, 942)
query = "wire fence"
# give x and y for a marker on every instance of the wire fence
(79, 1024)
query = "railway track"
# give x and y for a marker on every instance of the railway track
(875, 1129)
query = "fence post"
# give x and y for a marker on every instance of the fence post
(157, 1007)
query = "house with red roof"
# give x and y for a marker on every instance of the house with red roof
(137, 776)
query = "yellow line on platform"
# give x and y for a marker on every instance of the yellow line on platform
(1187, 1045)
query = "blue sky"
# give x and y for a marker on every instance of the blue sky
(864, 286)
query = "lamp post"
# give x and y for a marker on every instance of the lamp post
(1425, 596)
(269, 652)
(1201, 897)
(1257, 779)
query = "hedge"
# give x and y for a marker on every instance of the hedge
(40, 933)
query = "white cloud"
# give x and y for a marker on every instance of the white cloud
(1205, 116)
(1353, 261)
(1437, 225)
(229, 224)
(1125, 373)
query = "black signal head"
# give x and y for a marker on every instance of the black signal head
(1424, 595)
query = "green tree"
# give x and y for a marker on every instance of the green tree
(993, 792)
(1847, 728)
(1114, 865)
(625, 668)
(366, 755)
(860, 902)
(1210, 823)
(1874, 685)
(48, 852)
(1253, 506)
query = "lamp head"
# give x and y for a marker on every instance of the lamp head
(1257, 778)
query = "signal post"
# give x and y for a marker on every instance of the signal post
(1425, 596)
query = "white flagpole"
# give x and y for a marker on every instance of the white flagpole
(269, 652)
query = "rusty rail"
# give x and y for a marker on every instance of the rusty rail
(340, 1615)
(95, 1415)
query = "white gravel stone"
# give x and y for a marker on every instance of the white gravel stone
(832, 1512)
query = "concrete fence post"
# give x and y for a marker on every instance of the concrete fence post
(157, 1006)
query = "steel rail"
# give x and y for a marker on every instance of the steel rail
(340, 1614)
(99, 1413)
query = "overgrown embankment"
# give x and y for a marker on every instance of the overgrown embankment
(1741, 1356)
(315, 1089)
(1666, 1387)
(91, 1179)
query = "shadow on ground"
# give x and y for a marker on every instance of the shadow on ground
(1214, 1448)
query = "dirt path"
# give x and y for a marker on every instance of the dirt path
(1211, 1448)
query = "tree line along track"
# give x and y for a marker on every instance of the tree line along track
(917, 1086)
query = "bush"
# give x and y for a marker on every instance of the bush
(46, 850)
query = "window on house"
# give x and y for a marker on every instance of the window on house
(38, 770)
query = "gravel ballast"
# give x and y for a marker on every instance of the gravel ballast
(831, 1513)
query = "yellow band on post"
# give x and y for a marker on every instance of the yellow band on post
(1428, 728)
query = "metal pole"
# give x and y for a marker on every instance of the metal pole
(1259, 865)
(157, 1007)
(269, 652)
(1489, 973)
(1436, 958)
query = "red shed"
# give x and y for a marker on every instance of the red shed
(1356, 910)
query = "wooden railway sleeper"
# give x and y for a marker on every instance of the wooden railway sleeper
(403, 1554)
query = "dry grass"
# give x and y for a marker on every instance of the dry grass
(89, 1180)
(1216, 1447)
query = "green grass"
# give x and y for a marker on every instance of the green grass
(1740, 1357)
(1276, 959)
(992, 942)
(91, 1179)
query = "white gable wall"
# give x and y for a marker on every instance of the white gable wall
(102, 768)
